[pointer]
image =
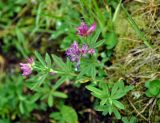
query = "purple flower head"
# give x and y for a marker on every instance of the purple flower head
(84, 49)
(91, 51)
(73, 53)
(27, 67)
(83, 30)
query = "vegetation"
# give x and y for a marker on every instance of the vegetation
(86, 61)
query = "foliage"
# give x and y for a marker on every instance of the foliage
(153, 90)
(109, 97)
(45, 30)
(132, 120)
(14, 100)
(66, 114)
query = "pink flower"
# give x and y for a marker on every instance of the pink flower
(74, 53)
(27, 67)
(91, 51)
(91, 29)
(83, 30)
(84, 49)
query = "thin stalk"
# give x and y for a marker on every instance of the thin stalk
(136, 28)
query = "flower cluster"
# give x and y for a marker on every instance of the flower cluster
(74, 53)
(27, 67)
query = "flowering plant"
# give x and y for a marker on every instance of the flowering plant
(82, 66)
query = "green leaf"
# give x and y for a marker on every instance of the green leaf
(59, 82)
(50, 100)
(118, 104)
(116, 13)
(119, 94)
(99, 43)
(59, 62)
(103, 101)
(147, 84)
(35, 97)
(93, 71)
(69, 114)
(111, 40)
(97, 91)
(55, 115)
(148, 94)
(38, 14)
(21, 107)
(110, 110)
(103, 108)
(48, 60)
(114, 89)
(117, 114)
(39, 57)
(39, 79)
(94, 38)
(86, 70)
(128, 88)
(154, 90)
(125, 120)
(133, 119)
(59, 94)
(155, 83)
(120, 84)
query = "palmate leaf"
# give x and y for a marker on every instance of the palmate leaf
(96, 92)
(85, 70)
(118, 95)
(59, 62)
(118, 104)
(103, 108)
(37, 80)
(114, 89)
(39, 57)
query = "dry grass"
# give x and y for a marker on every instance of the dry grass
(135, 62)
